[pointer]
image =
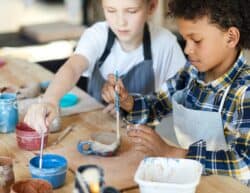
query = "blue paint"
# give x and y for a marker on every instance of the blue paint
(54, 169)
(8, 112)
(68, 100)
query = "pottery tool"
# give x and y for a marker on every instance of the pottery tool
(117, 106)
(41, 151)
(64, 134)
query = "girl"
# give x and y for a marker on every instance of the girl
(144, 55)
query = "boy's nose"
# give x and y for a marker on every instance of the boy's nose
(188, 49)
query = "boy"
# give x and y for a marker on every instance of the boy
(209, 97)
(124, 42)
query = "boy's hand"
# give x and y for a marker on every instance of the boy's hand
(108, 93)
(149, 142)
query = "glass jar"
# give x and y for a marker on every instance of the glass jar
(8, 112)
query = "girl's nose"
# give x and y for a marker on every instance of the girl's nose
(121, 21)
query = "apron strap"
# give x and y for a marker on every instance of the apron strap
(224, 98)
(147, 43)
(109, 44)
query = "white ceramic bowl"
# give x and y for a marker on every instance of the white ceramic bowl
(168, 175)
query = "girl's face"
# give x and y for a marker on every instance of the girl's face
(126, 18)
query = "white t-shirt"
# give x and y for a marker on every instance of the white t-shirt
(167, 55)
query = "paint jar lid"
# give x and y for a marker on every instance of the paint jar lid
(109, 189)
(68, 100)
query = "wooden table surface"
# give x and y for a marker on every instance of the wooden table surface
(118, 170)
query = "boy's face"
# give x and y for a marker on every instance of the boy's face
(127, 17)
(206, 44)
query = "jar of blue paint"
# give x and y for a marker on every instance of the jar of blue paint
(54, 169)
(8, 112)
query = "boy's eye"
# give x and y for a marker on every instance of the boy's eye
(197, 41)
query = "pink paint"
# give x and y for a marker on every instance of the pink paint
(2, 63)
(28, 138)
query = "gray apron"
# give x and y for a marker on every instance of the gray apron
(194, 125)
(139, 79)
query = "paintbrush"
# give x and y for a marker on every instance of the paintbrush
(41, 151)
(117, 106)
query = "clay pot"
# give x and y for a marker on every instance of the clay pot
(6, 174)
(32, 186)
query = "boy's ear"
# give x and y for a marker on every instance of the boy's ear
(233, 37)
(152, 6)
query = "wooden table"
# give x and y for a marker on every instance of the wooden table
(119, 170)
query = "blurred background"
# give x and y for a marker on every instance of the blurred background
(16, 13)
(46, 31)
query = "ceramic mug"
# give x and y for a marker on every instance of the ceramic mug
(101, 143)
(6, 174)
(8, 112)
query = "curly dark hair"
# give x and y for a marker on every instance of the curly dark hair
(223, 13)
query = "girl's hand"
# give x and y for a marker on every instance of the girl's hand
(41, 115)
(108, 93)
(110, 109)
(147, 141)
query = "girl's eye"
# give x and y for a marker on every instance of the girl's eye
(132, 11)
(111, 10)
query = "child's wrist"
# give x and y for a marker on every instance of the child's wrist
(128, 103)
(50, 102)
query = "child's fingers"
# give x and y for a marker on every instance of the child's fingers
(108, 93)
(113, 111)
(108, 108)
(111, 93)
(139, 138)
(105, 98)
(142, 149)
(140, 128)
(147, 135)
(141, 144)
(111, 79)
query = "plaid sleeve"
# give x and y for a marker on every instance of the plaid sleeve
(150, 108)
(230, 163)
(236, 161)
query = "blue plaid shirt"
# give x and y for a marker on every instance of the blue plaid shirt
(207, 97)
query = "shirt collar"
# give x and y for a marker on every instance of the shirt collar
(225, 80)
